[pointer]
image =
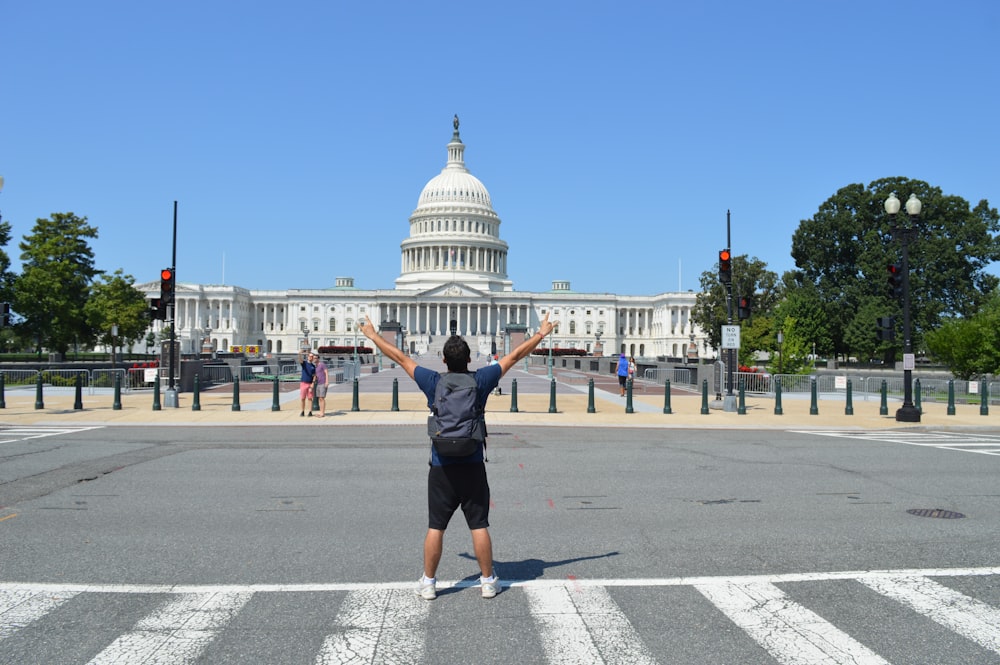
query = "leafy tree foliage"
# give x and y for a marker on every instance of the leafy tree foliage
(114, 301)
(6, 276)
(52, 289)
(792, 356)
(750, 278)
(970, 347)
(843, 253)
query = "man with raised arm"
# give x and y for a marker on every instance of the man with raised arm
(454, 482)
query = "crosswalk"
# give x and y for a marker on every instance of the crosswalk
(572, 621)
(969, 442)
(23, 433)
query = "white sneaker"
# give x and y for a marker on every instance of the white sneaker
(427, 588)
(490, 586)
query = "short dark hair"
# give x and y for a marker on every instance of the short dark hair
(457, 354)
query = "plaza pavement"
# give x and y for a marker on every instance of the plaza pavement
(533, 402)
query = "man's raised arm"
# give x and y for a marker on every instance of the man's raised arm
(387, 349)
(528, 345)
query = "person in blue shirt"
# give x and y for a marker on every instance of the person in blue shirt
(454, 482)
(622, 372)
(307, 380)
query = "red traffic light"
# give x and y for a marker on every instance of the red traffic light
(725, 266)
(166, 274)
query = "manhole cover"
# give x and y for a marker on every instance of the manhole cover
(935, 512)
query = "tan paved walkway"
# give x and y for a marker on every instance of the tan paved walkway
(375, 408)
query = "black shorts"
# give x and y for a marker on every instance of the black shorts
(621, 380)
(454, 485)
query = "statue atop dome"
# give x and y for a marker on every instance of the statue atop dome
(455, 122)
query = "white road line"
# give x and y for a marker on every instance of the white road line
(583, 625)
(383, 626)
(966, 616)
(177, 632)
(791, 633)
(19, 607)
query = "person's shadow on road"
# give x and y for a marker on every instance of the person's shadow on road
(523, 570)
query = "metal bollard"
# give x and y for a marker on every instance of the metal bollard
(275, 400)
(704, 397)
(3, 400)
(552, 396)
(117, 405)
(513, 396)
(315, 402)
(156, 394)
(590, 397)
(39, 402)
(355, 406)
(741, 409)
(883, 409)
(395, 395)
(78, 393)
(916, 395)
(951, 397)
(196, 397)
(778, 411)
(236, 393)
(849, 409)
(666, 398)
(628, 397)
(984, 401)
(814, 405)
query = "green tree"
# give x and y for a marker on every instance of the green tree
(54, 284)
(6, 276)
(750, 278)
(845, 249)
(114, 301)
(970, 347)
(792, 356)
(803, 304)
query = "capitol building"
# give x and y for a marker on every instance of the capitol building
(453, 278)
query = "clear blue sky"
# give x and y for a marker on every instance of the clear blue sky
(612, 136)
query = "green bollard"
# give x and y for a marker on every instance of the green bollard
(778, 411)
(39, 402)
(3, 400)
(704, 397)
(275, 401)
(552, 396)
(395, 395)
(951, 397)
(916, 395)
(849, 409)
(513, 396)
(196, 394)
(666, 398)
(590, 397)
(355, 406)
(315, 402)
(741, 409)
(236, 393)
(814, 405)
(78, 397)
(156, 393)
(628, 397)
(117, 404)
(984, 402)
(883, 409)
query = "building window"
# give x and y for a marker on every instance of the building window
(572, 327)
(333, 324)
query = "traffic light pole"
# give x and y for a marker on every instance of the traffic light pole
(170, 398)
(729, 401)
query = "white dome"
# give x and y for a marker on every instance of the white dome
(454, 185)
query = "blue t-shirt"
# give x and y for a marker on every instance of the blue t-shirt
(487, 379)
(308, 371)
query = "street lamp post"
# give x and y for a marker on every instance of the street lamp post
(781, 354)
(905, 235)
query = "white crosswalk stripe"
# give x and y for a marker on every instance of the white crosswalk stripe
(12, 434)
(577, 621)
(968, 442)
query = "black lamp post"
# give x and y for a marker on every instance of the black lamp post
(904, 235)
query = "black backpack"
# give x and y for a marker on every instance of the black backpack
(456, 425)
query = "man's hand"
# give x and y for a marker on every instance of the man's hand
(545, 327)
(368, 329)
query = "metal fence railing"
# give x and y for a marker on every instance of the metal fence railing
(676, 375)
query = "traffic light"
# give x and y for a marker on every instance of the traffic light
(157, 310)
(166, 287)
(887, 328)
(743, 308)
(895, 281)
(725, 267)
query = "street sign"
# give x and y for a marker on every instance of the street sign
(730, 337)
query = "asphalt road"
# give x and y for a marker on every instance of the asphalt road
(298, 544)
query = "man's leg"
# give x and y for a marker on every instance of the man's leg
(433, 546)
(482, 545)
(322, 406)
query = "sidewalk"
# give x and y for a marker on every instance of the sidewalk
(375, 402)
